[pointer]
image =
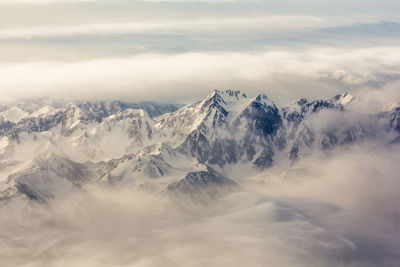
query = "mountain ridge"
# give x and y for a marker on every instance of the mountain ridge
(114, 144)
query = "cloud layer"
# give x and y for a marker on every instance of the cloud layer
(325, 211)
(151, 50)
(284, 75)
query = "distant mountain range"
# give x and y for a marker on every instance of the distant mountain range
(49, 148)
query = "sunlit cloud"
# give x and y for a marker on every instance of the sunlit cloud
(155, 76)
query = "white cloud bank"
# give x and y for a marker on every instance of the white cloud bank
(325, 211)
(283, 75)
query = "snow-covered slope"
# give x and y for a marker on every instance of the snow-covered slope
(225, 128)
(48, 150)
(343, 99)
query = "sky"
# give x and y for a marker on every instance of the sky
(161, 49)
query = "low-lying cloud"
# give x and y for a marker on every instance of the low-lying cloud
(363, 182)
(336, 210)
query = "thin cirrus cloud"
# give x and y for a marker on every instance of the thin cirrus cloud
(209, 25)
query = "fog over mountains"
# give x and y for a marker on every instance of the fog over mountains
(150, 184)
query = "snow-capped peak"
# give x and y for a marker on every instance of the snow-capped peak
(233, 94)
(265, 100)
(224, 98)
(231, 102)
(343, 99)
(44, 111)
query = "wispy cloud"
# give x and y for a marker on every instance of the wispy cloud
(268, 24)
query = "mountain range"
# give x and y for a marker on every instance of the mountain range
(50, 148)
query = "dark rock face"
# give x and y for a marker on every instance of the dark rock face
(37, 124)
(301, 135)
(393, 118)
(214, 102)
(29, 193)
(264, 160)
(261, 129)
(221, 139)
(197, 146)
(224, 151)
(294, 152)
(5, 126)
(261, 120)
(316, 106)
(391, 121)
(295, 117)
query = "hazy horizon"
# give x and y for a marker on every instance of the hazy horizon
(151, 50)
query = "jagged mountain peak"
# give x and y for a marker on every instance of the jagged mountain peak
(226, 100)
(120, 142)
(231, 103)
(225, 127)
(228, 93)
(298, 110)
(218, 111)
(223, 101)
(265, 100)
(234, 97)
